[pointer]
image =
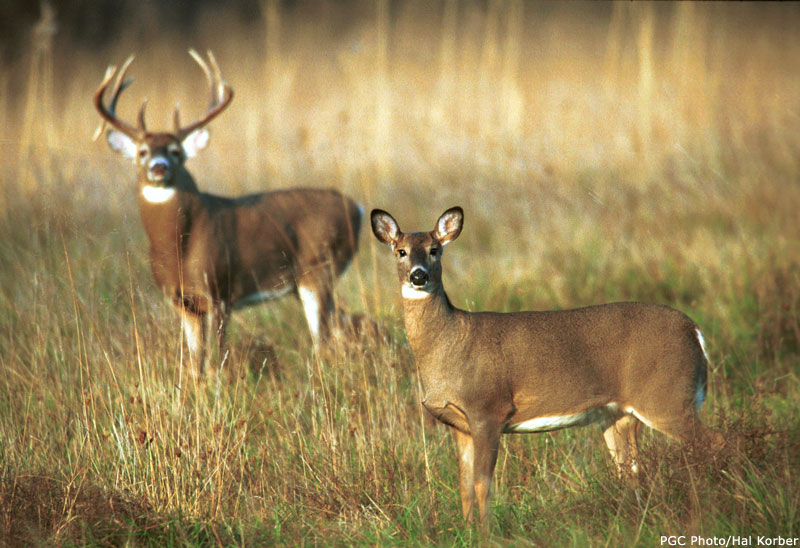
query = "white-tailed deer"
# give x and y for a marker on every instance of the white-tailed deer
(486, 373)
(211, 254)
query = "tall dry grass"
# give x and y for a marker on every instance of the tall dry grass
(601, 152)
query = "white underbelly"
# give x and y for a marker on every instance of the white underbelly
(261, 296)
(557, 422)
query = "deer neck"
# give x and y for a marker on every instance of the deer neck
(427, 320)
(167, 213)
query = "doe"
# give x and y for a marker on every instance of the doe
(486, 373)
(211, 254)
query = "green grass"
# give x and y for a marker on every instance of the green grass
(591, 168)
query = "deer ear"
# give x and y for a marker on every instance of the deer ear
(121, 143)
(384, 226)
(449, 225)
(195, 142)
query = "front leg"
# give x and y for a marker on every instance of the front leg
(486, 442)
(195, 334)
(466, 461)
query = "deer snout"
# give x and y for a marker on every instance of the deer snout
(419, 276)
(157, 169)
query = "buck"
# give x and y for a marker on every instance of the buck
(212, 254)
(485, 373)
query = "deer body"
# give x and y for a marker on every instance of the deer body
(211, 254)
(206, 249)
(487, 373)
(542, 371)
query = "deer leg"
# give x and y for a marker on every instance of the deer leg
(194, 331)
(620, 438)
(688, 429)
(217, 320)
(486, 442)
(317, 306)
(466, 461)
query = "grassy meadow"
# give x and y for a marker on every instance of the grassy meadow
(600, 152)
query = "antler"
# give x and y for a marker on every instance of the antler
(109, 114)
(221, 95)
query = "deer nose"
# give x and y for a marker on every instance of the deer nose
(419, 277)
(158, 168)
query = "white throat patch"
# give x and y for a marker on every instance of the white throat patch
(414, 293)
(157, 194)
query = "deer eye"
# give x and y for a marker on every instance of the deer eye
(142, 152)
(434, 251)
(401, 253)
(176, 152)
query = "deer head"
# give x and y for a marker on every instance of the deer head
(418, 254)
(159, 156)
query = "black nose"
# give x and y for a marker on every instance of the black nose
(159, 169)
(419, 277)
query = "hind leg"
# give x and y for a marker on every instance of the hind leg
(317, 301)
(216, 339)
(689, 430)
(621, 439)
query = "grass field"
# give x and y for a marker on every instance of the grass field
(601, 153)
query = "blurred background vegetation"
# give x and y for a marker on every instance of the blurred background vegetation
(601, 151)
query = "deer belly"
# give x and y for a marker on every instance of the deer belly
(261, 296)
(557, 422)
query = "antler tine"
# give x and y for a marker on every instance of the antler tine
(221, 94)
(119, 85)
(110, 72)
(142, 125)
(176, 119)
(217, 74)
(207, 71)
(109, 114)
